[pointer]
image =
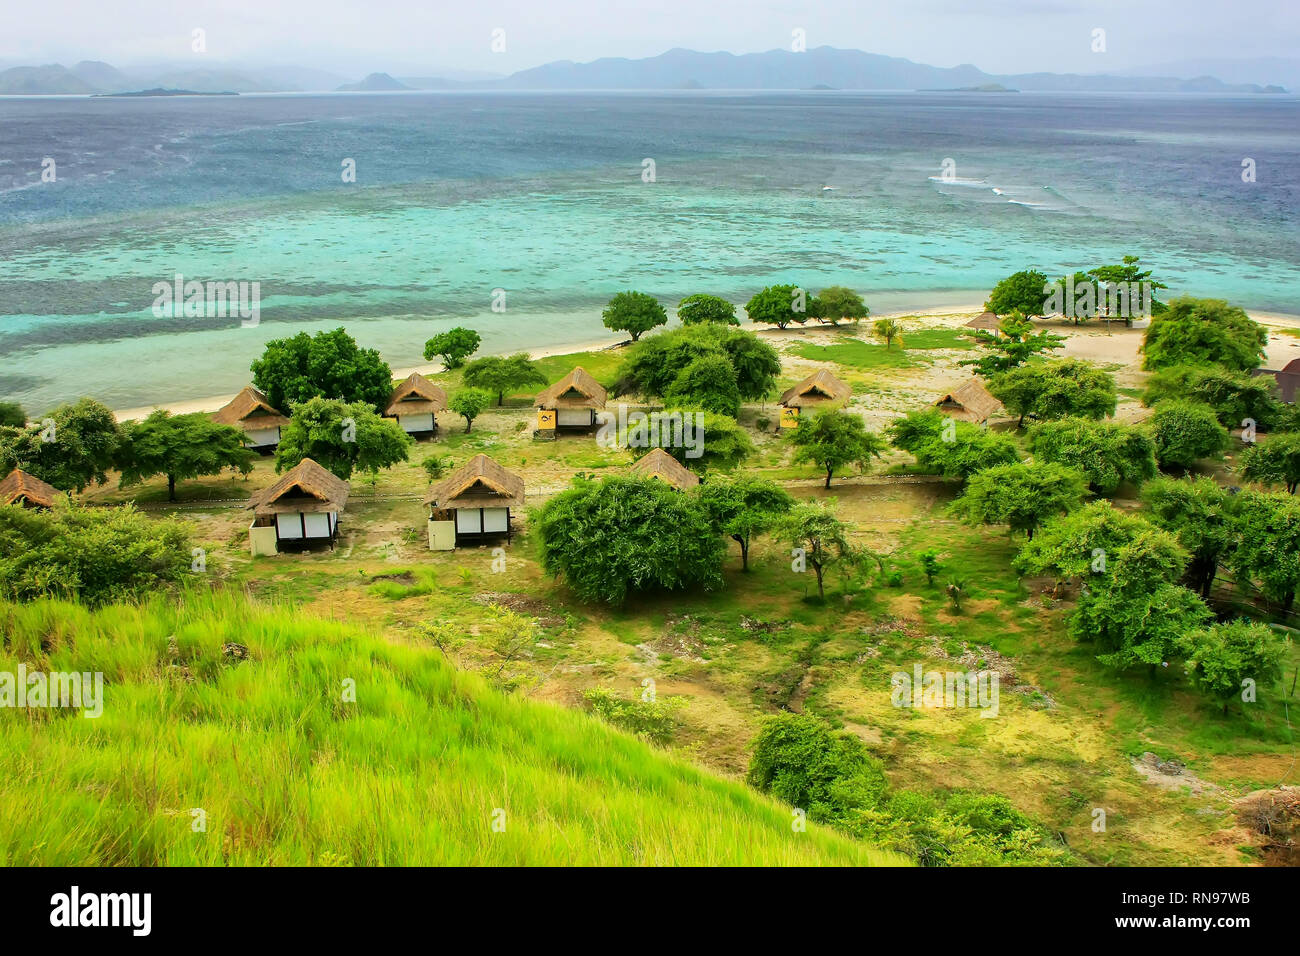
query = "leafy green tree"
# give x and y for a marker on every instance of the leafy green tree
(1080, 543)
(799, 759)
(181, 447)
(1108, 454)
(470, 402)
(1199, 511)
(1057, 388)
(341, 438)
(743, 508)
(1186, 432)
(949, 447)
(454, 346)
(72, 447)
(840, 302)
(1021, 292)
(891, 330)
(1130, 273)
(1014, 345)
(1234, 396)
(821, 536)
(709, 383)
(1204, 332)
(1274, 461)
(327, 364)
(654, 364)
(1222, 657)
(499, 375)
(1134, 612)
(1082, 309)
(721, 444)
(779, 305)
(95, 555)
(634, 313)
(833, 438)
(930, 564)
(1267, 550)
(1021, 496)
(12, 415)
(701, 307)
(621, 535)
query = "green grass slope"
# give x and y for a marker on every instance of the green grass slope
(286, 771)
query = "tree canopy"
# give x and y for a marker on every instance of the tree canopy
(454, 346)
(1106, 453)
(708, 383)
(1234, 396)
(327, 364)
(499, 375)
(838, 302)
(1199, 511)
(1015, 343)
(778, 305)
(1267, 551)
(832, 439)
(744, 507)
(1021, 496)
(341, 437)
(621, 535)
(180, 447)
(1274, 461)
(653, 366)
(1203, 332)
(1186, 432)
(1057, 388)
(634, 313)
(821, 537)
(702, 307)
(1222, 657)
(72, 447)
(952, 448)
(1021, 292)
(470, 403)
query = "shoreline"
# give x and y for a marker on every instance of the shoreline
(213, 402)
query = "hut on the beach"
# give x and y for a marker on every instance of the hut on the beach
(473, 504)
(252, 412)
(659, 464)
(969, 402)
(301, 509)
(819, 390)
(570, 404)
(985, 322)
(27, 491)
(415, 404)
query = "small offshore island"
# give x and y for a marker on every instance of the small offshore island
(158, 91)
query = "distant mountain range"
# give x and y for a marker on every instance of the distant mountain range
(823, 68)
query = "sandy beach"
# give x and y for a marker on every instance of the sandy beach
(1091, 341)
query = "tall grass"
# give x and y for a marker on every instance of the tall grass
(288, 772)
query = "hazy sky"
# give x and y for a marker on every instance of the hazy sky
(424, 36)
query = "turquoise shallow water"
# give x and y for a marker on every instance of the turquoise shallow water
(543, 196)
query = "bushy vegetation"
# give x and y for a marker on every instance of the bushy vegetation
(72, 447)
(1108, 454)
(1058, 388)
(1203, 332)
(621, 535)
(835, 780)
(949, 447)
(342, 438)
(94, 554)
(328, 365)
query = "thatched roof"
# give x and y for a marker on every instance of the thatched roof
(307, 487)
(576, 390)
(988, 321)
(416, 395)
(250, 409)
(479, 483)
(20, 486)
(970, 401)
(660, 464)
(821, 387)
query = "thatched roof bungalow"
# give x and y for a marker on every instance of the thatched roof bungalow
(27, 491)
(473, 502)
(985, 322)
(415, 403)
(302, 508)
(570, 403)
(252, 412)
(969, 402)
(659, 464)
(819, 390)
